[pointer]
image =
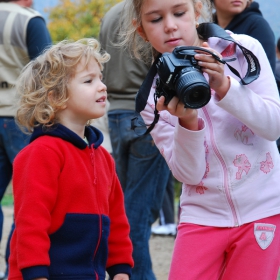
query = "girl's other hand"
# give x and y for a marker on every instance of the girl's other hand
(187, 117)
(215, 70)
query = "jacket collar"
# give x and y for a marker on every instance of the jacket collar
(93, 135)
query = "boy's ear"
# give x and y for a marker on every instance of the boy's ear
(139, 30)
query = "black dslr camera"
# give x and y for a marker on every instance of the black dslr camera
(181, 76)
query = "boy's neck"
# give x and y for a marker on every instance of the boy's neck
(73, 124)
(75, 127)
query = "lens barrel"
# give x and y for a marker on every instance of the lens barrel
(192, 88)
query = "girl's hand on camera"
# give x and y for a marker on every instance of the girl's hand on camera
(187, 117)
(215, 70)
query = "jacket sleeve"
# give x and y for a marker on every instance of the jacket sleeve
(35, 185)
(120, 246)
(38, 37)
(257, 104)
(183, 149)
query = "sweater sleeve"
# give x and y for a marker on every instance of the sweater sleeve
(183, 149)
(260, 106)
(120, 246)
(38, 37)
(35, 186)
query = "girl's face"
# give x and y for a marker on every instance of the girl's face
(169, 23)
(229, 8)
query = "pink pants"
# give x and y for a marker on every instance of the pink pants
(248, 252)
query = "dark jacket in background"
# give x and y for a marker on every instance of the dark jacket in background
(277, 77)
(277, 74)
(252, 23)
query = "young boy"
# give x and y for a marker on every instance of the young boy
(70, 221)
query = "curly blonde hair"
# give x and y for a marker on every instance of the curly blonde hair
(49, 74)
(131, 18)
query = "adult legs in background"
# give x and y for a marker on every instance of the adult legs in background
(143, 174)
(5, 178)
(167, 224)
(12, 140)
(7, 253)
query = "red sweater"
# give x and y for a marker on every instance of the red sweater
(69, 210)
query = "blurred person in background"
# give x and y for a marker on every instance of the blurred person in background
(245, 17)
(277, 76)
(23, 36)
(277, 69)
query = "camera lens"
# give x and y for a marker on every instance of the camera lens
(195, 96)
(193, 89)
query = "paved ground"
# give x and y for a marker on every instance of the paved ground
(161, 251)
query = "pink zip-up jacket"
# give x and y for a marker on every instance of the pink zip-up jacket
(230, 168)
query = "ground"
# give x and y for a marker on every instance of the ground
(161, 251)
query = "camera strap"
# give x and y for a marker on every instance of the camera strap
(142, 97)
(205, 30)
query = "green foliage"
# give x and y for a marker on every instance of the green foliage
(177, 189)
(76, 19)
(7, 200)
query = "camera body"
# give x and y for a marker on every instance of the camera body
(181, 76)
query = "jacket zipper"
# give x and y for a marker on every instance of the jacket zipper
(226, 184)
(92, 157)
(98, 243)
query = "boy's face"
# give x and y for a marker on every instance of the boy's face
(87, 95)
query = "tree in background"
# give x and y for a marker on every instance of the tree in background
(75, 19)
